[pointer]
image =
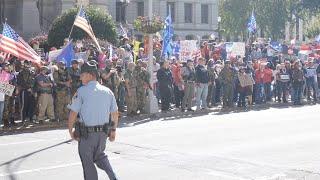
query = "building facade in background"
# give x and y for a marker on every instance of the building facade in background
(193, 19)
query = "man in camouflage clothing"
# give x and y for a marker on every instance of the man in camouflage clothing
(212, 85)
(142, 76)
(9, 101)
(74, 73)
(227, 77)
(25, 81)
(110, 78)
(62, 87)
(131, 87)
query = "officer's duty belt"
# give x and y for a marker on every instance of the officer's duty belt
(95, 129)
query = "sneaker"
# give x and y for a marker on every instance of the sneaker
(190, 110)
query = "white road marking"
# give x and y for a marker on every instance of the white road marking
(22, 142)
(46, 168)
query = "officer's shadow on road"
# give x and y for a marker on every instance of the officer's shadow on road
(14, 164)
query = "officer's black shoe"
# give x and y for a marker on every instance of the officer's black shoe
(190, 110)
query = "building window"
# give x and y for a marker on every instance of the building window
(140, 6)
(188, 13)
(120, 12)
(171, 5)
(204, 14)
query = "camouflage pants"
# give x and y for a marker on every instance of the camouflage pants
(45, 105)
(62, 100)
(9, 110)
(141, 98)
(228, 91)
(131, 101)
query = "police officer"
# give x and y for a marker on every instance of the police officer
(94, 103)
(62, 82)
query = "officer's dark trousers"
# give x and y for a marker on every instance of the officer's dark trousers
(91, 151)
(27, 105)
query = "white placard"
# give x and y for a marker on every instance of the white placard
(187, 49)
(6, 88)
(54, 54)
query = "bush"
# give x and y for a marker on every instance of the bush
(101, 23)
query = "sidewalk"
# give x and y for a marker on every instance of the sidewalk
(144, 118)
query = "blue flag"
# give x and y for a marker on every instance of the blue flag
(252, 24)
(276, 46)
(67, 54)
(167, 36)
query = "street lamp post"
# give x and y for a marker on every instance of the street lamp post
(152, 100)
(219, 34)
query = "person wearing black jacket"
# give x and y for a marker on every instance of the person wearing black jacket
(165, 80)
(202, 80)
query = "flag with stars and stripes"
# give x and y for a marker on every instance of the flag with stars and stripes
(82, 21)
(252, 24)
(12, 43)
(6, 56)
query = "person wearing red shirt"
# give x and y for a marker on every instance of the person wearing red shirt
(259, 79)
(177, 83)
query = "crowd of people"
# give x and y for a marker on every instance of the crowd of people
(206, 81)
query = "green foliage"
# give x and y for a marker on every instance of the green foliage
(102, 25)
(313, 28)
(143, 24)
(271, 15)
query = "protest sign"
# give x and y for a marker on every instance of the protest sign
(54, 54)
(187, 49)
(6, 88)
(4, 76)
(235, 48)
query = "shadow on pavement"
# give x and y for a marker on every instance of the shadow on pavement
(10, 166)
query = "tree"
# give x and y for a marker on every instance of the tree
(234, 15)
(102, 24)
(313, 28)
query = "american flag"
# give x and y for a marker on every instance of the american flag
(252, 25)
(82, 22)
(12, 43)
(6, 56)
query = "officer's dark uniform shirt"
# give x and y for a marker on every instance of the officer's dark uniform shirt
(94, 103)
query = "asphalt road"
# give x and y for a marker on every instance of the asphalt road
(271, 144)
